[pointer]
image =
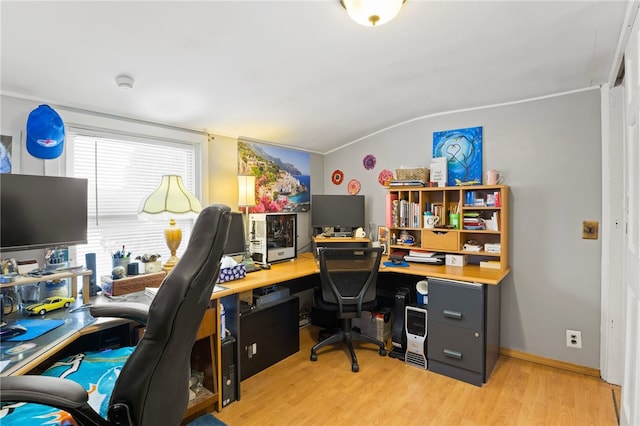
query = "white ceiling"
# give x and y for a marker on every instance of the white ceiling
(301, 73)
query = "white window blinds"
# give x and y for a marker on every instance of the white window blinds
(121, 174)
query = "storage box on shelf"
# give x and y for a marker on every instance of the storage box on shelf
(473, 220)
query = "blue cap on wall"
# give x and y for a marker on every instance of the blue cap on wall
(45, 133)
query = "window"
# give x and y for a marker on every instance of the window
(122, 172)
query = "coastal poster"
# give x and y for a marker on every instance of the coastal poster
(283, 177)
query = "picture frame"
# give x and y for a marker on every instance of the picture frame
(10, 151)
(463, 151)
(8, 266)
(383, 237)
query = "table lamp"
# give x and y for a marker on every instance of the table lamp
(246, 199)
(169, 201)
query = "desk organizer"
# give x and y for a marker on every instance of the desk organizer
(111, 287)
(234, 273)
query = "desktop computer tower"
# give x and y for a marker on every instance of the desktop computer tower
(416, 330)
(273, 237)
(398, 336)
(229, 375)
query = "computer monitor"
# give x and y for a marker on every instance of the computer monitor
(235, 246)
(340, 212)
(42, 212)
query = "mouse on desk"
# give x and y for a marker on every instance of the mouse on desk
(9, 331)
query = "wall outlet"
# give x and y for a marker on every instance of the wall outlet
(574, 339)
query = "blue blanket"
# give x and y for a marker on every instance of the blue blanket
(95, 371)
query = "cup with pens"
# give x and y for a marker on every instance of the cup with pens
(120, 258)
(454, 216)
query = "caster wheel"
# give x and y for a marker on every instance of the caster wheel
(314, 357)
(383, 352)
(355, 368)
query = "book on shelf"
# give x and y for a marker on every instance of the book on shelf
(393, 183)
(491, 264)
(421, 253)
(436, 259)
(389, 209)
(395, 213)
(438, 168)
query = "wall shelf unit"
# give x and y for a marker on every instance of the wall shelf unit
(482, 215)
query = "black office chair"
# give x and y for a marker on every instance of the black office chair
(153, 385)
(348, 286)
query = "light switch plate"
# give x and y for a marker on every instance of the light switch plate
(589, 230)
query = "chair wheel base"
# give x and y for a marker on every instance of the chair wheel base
(383, 352)
(313, 357)
(355, 368)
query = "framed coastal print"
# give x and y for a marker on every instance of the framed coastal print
(9, 151)
(283, 177)
(463, 150)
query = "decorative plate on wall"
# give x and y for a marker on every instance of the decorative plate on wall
(354, 186)
(337, 177)
(369, 162)
(384, 177)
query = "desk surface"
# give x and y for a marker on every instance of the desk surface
(80, 322)
(306, 264)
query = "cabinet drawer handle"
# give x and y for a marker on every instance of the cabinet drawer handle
(453, 354)
(452, 314)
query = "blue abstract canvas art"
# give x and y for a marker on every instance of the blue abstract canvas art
(463, 150)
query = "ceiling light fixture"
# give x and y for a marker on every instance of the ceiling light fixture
(372, 13)
(124, 82)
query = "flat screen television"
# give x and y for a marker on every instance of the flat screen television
(235, 245)
(343, 213)
(42, 211)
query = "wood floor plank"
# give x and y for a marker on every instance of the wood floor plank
(386, 391)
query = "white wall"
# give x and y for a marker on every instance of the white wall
(550, 153)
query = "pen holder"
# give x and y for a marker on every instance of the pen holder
(120, 261)
(454, 220)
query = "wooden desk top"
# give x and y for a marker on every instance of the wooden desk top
(305, 264)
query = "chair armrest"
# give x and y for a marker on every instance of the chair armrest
(51, 391)
(129, 310)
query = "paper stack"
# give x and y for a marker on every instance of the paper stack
(151, 291)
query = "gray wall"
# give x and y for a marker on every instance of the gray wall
(550, 153)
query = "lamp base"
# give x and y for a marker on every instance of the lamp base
(173, 237)
(170, 264)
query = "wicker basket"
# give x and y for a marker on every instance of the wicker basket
(421, 173)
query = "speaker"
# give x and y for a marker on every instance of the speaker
(90, 260)
(398, 337)
(416, 330)
(229, 376)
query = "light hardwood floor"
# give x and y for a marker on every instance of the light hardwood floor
(385, 391)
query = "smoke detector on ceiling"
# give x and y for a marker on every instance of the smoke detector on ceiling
(124, 82)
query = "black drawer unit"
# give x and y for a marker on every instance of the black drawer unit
(463, 329)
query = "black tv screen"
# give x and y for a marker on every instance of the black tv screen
(235, 245)
(42, 211)
(341, 212)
